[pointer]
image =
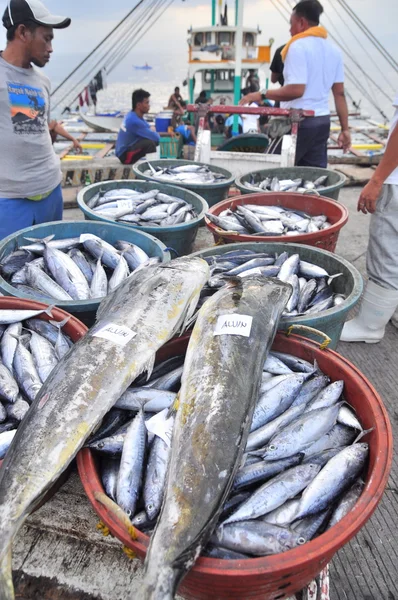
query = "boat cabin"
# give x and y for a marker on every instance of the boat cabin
(211, 60)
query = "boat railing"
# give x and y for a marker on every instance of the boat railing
(250, 54)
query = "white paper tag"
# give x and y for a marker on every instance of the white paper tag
(255, 271)
(234, 325)
(119, 334)
(124, 204)
(161, 426)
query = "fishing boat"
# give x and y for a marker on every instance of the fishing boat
(102, 123)
(145, 67)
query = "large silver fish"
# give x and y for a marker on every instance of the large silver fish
(135, 321)
(220, 385)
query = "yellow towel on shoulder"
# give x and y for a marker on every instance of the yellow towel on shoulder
(317, 31)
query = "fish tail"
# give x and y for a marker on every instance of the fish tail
(42, 240)
(48, 310)
(61, 324)
(6, 585)
(160, 584)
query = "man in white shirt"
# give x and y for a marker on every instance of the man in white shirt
(312, 68)
(250, 122)
(380, 198)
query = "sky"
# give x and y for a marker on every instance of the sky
(165, 44)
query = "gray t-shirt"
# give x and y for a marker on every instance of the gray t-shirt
(28, 163)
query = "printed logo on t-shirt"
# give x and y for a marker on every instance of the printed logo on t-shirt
(28, 109)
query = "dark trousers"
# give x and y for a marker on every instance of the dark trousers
(312, 142)
(144, 146)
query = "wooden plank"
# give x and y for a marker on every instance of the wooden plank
(351, 150)
(69, 148)
(375, 138)
(104, 151)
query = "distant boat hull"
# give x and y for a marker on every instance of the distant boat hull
(102, 124)
(145, 68)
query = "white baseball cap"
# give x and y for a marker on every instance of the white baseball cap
(22, 11)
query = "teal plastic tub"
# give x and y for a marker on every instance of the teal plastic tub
(212, 192)
(350, 283)
(85, 310)
(334, 182)
(178, 237)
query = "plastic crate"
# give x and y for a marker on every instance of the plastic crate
(171, 147)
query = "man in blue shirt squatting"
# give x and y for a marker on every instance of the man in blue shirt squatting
(136, 138)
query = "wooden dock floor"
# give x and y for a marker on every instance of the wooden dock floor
(60, 555)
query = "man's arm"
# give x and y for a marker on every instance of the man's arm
(342, 112)
(57, 129)
(371, 192)
(141, 129)
(275, 77)
(283, 94)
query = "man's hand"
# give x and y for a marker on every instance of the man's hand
(369, 197)
(345, 141)
(77, 146)
(249, 98)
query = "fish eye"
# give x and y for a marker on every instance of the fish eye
(150, 506)
(301, 541)
(272, 447)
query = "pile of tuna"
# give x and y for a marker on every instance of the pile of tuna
(254, 219)
(185, 174)
(30, 349)
(81, 268)
(312, 285)
(144, 209)
(301, 472)
(273, 184)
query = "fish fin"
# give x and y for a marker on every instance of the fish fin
(117, 512)
(362, 434)
(61, 324)
(174, 407)
(331, 277)
(6, 585)
(48, 310)
(148, 367)
(40, 240)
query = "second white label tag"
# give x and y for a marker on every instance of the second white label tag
(118, 334)
(234, 325)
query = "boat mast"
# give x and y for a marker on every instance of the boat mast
(238, 58)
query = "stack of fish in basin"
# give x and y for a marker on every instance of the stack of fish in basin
(325, 286)
(277, 216)
(74, 271)
(251, 219)
(170, 213)
(30, 349)
(146, 310)
(305, 180)
(209, 181)
(256, 455)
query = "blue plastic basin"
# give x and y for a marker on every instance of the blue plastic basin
(350, 284)
(85, 310)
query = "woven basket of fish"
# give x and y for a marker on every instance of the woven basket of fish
(293, 179)
(33, 339)
(74, 264)
(278, 216)
(169, 213)
(210, 182)
(314, 468)
(326, 287)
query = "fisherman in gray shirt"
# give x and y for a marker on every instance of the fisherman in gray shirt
(30, 174)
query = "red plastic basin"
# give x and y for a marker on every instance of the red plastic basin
(279, 576)
(74, 328)
(336, 213)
